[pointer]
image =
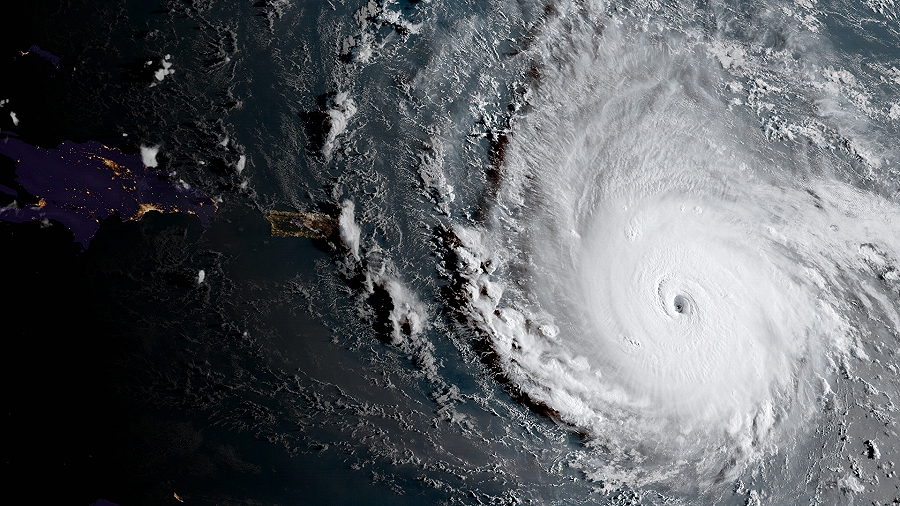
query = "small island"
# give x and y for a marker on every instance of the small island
(305, 224)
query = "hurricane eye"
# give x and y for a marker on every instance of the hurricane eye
(681, 304)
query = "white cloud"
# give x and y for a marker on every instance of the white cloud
(148, 155)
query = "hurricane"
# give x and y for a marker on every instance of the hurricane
(660, 271)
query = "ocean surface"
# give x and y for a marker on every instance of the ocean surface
(495, 252)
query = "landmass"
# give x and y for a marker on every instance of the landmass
(77, 185)
(50, 57)
(292, 224)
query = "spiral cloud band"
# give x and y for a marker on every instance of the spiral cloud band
(659, 274)
(692, 317)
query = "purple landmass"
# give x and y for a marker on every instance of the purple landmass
(45, 55)
(104, 502)
(80, 184)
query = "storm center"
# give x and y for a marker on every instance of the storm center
(681, 304)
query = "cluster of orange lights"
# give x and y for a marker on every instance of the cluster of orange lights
(117, 169)
(146, 208)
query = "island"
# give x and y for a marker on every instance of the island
(77, 185)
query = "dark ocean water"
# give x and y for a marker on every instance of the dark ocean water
(576, 253)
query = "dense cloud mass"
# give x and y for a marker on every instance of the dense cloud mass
(675, 284)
